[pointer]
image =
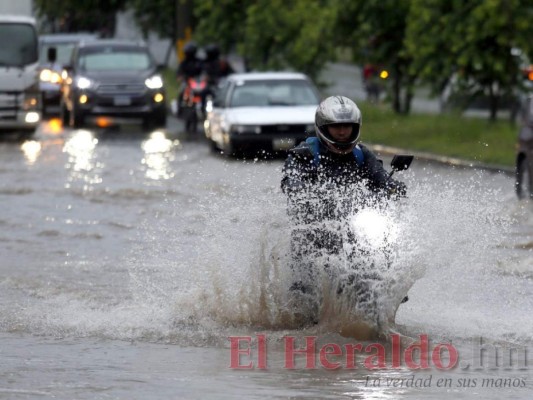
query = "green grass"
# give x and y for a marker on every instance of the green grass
(171, 85)
(473, 139)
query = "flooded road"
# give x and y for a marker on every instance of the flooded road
(129, 260)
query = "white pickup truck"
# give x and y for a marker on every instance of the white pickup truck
(20, 98)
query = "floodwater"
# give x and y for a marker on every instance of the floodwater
(130, 262)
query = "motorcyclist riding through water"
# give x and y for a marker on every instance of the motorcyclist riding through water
(324, 179)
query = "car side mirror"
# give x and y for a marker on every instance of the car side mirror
(401, 162)
(51, 55)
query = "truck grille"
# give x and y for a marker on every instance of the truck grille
(8, 105)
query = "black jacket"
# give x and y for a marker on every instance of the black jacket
(313, 187)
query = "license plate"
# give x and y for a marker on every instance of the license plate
(122, 101)
(283, 144)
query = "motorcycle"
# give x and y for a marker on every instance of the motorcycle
(343, 268)
(192, 107)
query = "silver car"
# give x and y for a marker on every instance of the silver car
(261, 113)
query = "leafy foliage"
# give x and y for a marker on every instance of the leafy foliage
(155, 15)
(80, 15)
(471, 43)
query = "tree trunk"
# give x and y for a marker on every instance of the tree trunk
(396, 92)
(407, 100)
(493, 104)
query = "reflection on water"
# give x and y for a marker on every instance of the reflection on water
(82, 163)
(31, 150)
(158, 156)
(54, 126)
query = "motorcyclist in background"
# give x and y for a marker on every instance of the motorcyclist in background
(189, 67)
(215, 67)
(317, 171)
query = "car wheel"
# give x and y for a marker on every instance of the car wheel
(213, 146)
(524, 178)
(191, 121)
(156, 120)
(77, 119)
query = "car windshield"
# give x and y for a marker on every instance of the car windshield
(64, 51)
(19, 44)
(106, 59)
(265, 93)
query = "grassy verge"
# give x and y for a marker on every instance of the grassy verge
(171, 86)
(473, 139)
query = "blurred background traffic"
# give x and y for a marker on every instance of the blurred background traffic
(452, 79)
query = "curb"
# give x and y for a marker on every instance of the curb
(450, 161)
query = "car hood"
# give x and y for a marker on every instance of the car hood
(117, 76)
(271, 115)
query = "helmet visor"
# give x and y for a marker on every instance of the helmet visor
(341, 134)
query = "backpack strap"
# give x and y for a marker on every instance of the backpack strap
(359, 155)
(314, 146)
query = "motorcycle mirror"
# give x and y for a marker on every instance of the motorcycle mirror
(401, 162)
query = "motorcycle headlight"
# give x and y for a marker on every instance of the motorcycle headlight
(83, 83)
(154, 82)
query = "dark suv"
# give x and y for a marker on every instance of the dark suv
(524, 158)
(110, 81)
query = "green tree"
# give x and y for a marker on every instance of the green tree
(80, 15)
(155, 15)
(220, 21)
(473, 43)
(271, 34)
(296, 34)
(375, 30)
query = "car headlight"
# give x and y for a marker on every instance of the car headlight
(48, 75)
(83, 82)
(240, 129)
(154, 82)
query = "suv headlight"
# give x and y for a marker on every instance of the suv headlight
(154, 82)
(83, 82)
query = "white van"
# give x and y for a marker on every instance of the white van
(20, 98)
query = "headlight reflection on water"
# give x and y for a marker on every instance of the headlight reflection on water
(158, 156)
(31, 150)
(80, 147)
(82, 161)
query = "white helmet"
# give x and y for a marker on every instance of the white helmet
(338, 110)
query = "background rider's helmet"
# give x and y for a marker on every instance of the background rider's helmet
(190, 50)
(212, 51)
(338, 110)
